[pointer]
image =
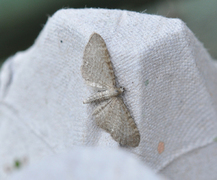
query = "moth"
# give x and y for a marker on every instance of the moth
(111, 114)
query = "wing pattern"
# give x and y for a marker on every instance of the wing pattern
(97, 68)
(111, 115)
(115, 118)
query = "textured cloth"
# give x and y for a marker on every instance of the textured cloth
(88, 163)
(197, 164)
(168, 76)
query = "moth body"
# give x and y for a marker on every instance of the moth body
(104, 95)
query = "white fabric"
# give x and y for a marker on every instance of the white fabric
(169, 77)
(91, 164)
(198, 164)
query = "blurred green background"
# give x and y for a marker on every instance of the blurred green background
(22, 20)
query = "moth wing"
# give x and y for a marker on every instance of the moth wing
(97, 68)
(115, 118)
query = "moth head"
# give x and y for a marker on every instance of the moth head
(121, 89)
(118, 91)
